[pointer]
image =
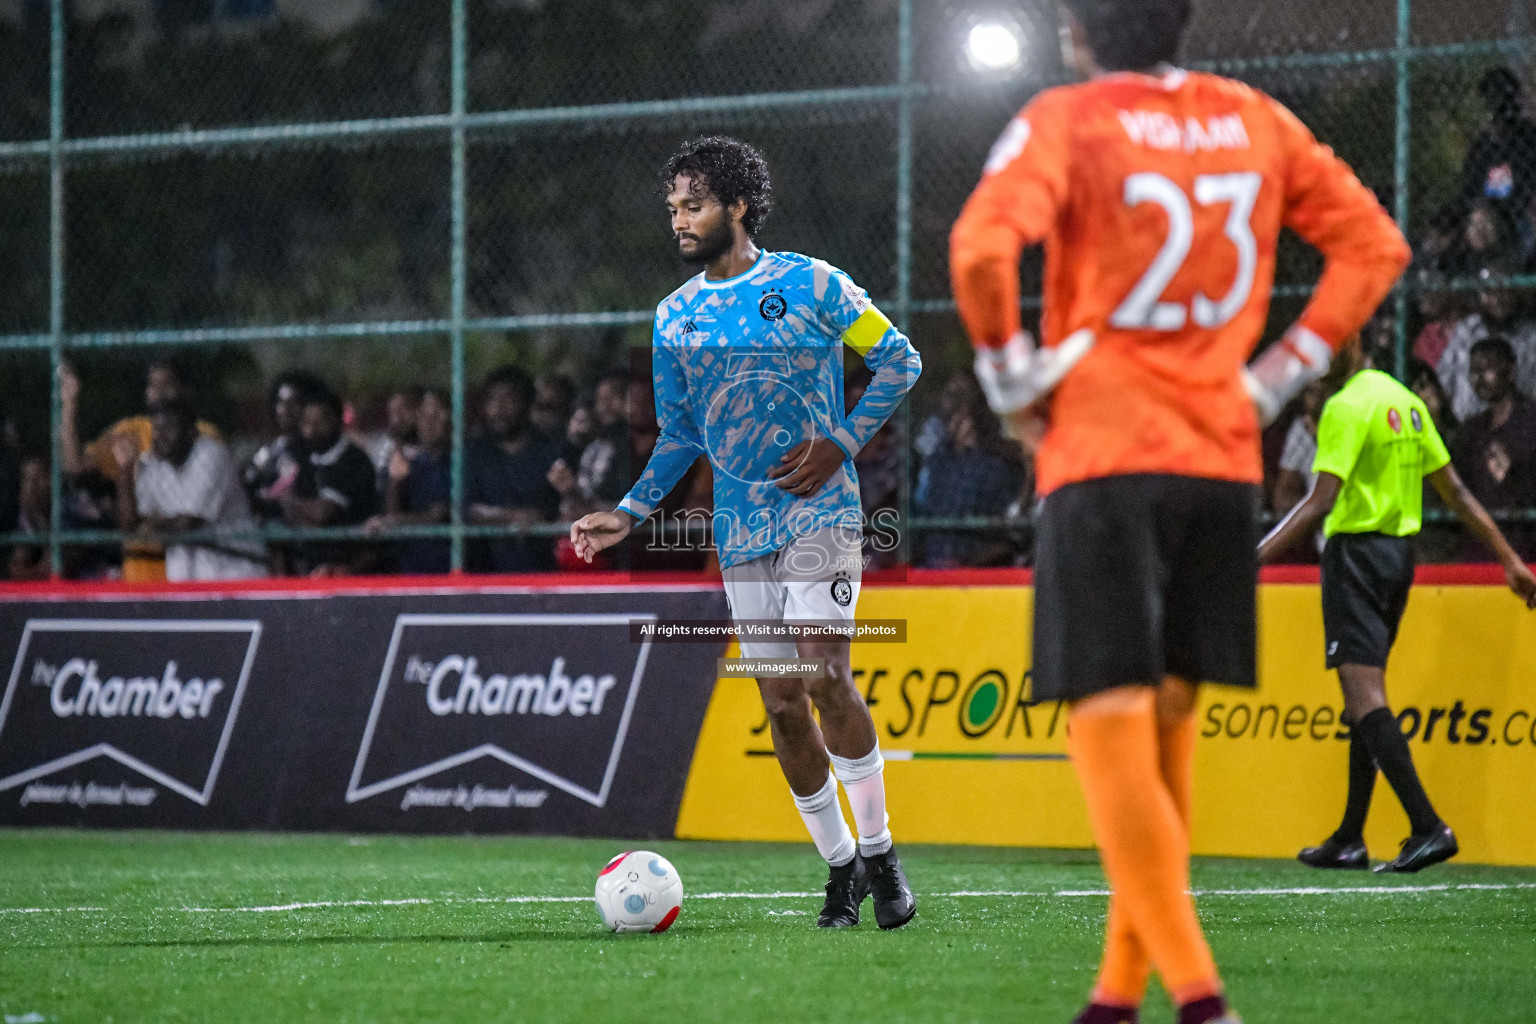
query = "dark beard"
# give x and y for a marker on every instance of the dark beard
(711, 246)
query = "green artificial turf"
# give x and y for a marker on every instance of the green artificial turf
(1464, 954)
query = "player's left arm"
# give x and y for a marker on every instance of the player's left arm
(1363, 251)
(846, 312)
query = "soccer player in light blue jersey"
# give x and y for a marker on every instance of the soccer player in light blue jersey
(748, 364)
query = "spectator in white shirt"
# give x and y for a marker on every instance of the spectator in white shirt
(1294, 481)
(399, 433)
(188, 482)
(1501, 311)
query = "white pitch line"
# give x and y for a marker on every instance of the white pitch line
(274, 908)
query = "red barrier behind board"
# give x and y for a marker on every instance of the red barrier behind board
(1426, 575)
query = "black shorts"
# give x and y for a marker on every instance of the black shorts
(1143, 576)
(1366, 581)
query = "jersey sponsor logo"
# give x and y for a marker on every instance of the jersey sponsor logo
(842, 591)
(1416, 420)
(1158, 130)
(550, 695)
(1395, 421)
(1009, 145)
(689, 327)
(772, 306)
(159, 697)
(855, 296)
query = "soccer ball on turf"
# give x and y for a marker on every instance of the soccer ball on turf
(639, 891)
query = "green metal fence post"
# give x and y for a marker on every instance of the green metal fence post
(1400, 178)
(904, 238)
(904, 169)
(56, 280)
(456, 315)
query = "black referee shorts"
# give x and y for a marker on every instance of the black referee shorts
(1143, 576)
(1366, 581)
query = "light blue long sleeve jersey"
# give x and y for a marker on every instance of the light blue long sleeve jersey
(746, 369)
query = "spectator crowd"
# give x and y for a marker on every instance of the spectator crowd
(191, 505)
(542, 450)
(1472, 357)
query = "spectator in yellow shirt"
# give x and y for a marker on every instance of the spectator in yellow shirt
(163, 382)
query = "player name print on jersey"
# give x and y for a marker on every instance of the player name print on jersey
(1160, 130)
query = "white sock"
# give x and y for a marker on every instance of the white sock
(863, 779)
(824, 819)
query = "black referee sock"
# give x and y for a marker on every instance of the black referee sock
(1389, 747)
(1362, 781)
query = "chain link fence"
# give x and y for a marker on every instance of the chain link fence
(418, 190)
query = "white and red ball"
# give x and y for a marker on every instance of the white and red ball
(639, 891)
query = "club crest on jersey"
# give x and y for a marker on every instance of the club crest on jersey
(773, 306)
(1395, 421)
(842, 590)
(1416, 420)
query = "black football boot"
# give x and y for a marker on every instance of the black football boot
(1336, 856)
(847, 886)
(1421, 851)
(894, 903)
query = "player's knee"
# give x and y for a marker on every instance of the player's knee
(1176, 699)
(785, 700)
(833, 685)
(833, 655)
(1364, 690)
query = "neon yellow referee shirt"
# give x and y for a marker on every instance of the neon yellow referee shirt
(1377, 437)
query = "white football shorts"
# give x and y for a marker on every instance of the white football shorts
(814, 578)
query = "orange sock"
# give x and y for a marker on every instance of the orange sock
(1136, 779)
(1127, 966)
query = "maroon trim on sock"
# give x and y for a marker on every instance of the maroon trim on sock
(1203, 1011)
(1103, 1013)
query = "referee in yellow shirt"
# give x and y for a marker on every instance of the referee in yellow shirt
(1375, 445)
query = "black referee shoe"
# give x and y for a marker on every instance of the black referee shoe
(894, 903)
(847, 886)
(1422, 851)
(1334, 855)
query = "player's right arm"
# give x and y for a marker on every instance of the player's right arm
(677, 447)
(1363, 251)
(1023, 189)
(1341, 437)
(1303, 519)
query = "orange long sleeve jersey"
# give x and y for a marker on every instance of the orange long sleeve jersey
(1160, 201)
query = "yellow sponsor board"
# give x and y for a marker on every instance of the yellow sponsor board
(971, 759)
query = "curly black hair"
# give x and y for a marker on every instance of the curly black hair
(726, 169)
(1132, 35)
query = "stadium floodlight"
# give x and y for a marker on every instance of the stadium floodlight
(994, 47)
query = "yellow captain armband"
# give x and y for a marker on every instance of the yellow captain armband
(866, 331)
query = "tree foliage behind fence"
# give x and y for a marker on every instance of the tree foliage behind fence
(437, 184)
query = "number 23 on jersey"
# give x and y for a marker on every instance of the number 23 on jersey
(1145, 307)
